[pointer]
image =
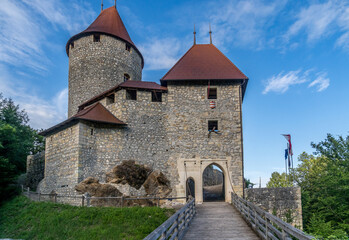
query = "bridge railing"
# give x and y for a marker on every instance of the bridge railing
(176, 226)
(266, 225)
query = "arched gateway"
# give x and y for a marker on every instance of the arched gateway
(213, 184)
(213, 179)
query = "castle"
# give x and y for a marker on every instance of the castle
(189, 121)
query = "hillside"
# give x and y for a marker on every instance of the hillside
(22, 219)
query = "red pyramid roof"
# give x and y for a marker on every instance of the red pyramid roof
(97, 113)
(203, 62)
(94, 113)
(108, 22)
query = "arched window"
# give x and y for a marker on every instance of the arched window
(126, 77)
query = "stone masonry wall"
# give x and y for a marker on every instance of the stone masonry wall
(285, 203)
(188, 112)
(157, 135)
(35, 169)
(61, 161)
(95, 67)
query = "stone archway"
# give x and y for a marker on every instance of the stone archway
(213, 183)
(190, 187)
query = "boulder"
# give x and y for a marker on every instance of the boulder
(128, 172)
(157, 185)
(95, 189)
(128, 190)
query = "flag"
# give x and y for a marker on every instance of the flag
(288, 138)
(286, 153)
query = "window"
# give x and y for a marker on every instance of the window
(96, 38)
(72, 45)
(91, 131)
(156, 96)
(110, 99)
(126, 77)
(212, 93)
(128, 47)
(131, 94)
(212, 125)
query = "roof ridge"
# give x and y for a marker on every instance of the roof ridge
(88, 109)
(178, 61)
(229, 60)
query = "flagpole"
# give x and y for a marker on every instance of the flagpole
(286, 162)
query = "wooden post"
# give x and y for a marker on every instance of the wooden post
(283, 234)
(87, 196)
(266, 226)
(255, 218)
(176, 228)
(28, 189)
(39, 196)
(55, 197)
(158, 202)
(82, 200)
(122, 201)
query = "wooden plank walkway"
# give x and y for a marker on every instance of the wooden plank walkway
(218, 220)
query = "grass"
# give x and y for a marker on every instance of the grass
(21, 218)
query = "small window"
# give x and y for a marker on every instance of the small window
(212, 93)
(156, 96)
(91, 131)
(72, 45)
(131, 94)
(212, 125)
(128, 47)
(96, 38)
(110, 99)
(126, 77)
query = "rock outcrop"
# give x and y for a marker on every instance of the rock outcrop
(128, 179)
(129, 172)
(157, 185)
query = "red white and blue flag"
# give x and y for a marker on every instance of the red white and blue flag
(288, 138)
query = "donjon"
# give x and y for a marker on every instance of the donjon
(188, 122)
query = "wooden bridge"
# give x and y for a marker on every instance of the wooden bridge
(220, 220)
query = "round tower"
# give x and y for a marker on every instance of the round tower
(101, 57)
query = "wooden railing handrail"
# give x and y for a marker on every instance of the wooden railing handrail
(176, 226)
(266, 225)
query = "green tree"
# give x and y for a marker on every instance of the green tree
(324, 179)
(279, 180)
(248, 183)
(17, 140)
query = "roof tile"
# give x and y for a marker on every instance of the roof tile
(203, 62)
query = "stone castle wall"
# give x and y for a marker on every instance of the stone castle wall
(35, 169)
(188, 112)
(62, 159)
(284, 203)
(95, 67)
(157, 135)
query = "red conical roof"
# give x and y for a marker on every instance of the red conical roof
(204, 62)
(108, 22)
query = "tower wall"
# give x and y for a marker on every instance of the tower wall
(95, 67)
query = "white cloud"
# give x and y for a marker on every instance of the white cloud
(243, 23)
(280, 83)
(25, 26)
(321, 82)
(43, 113)
(319, 20)
(160, 53)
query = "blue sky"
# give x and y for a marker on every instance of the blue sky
(294, 52)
